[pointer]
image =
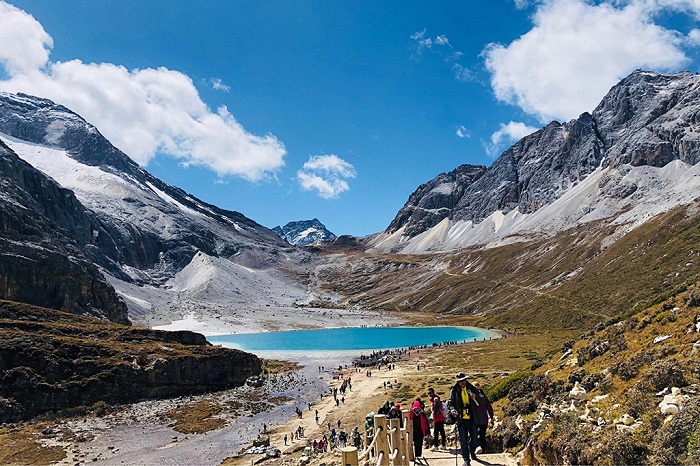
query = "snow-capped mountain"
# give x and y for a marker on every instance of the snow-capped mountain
(140, 230)
(634, 157)
(158, 226)
(304, 232)
(48, 246)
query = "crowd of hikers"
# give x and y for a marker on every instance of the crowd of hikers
(467, 409)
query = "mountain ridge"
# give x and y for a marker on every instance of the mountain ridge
(646, 120)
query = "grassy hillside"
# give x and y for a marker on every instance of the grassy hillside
(628, 364)
(573, 280)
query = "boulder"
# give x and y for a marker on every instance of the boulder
(578, 393)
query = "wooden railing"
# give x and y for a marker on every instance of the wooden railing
(389, 443)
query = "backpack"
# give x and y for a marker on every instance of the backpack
(443, 409)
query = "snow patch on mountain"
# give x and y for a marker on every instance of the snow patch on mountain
(627, 196)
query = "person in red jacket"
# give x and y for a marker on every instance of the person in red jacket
(421, 428)
(438, 419)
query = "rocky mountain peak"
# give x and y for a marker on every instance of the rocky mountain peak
(304, 232)
(648, 119)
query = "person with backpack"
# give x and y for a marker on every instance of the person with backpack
(439, 416)
(485, 411)
(463, 410)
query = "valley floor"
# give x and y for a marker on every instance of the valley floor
(209, 429)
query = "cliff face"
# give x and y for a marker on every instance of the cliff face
(47, 245)
(50, 360)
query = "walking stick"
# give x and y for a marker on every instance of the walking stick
(455, 443)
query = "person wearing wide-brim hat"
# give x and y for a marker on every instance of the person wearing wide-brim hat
(463, 411)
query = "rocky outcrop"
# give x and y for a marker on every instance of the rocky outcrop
(47, 246)
(435, 200)
(50, 361)
(646, 119)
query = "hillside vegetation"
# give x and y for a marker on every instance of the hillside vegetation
(574, 280)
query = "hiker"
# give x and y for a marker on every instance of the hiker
(439, 410)
(369, 424)
(356, 438)
(421, 428)
(385, 408)
(463, 411)
(394, 413)
(485, 416)
(285, 439)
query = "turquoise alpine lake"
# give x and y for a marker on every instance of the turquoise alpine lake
(350, 338)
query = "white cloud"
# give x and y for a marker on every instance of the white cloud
(507, 134)
(577, 50)
(522, 4)
(422, 43)
(694, 37)
(463, 132)
(326, 174)
(24, 45)
(442, 40)
(143, 112)
(218, 85)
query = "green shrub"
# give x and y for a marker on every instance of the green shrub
(665, 373)
(590, 381)
(504, 385)
(676, 442)
(665, 317)
(576, 375)
(638, 401)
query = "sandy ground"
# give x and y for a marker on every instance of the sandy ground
(278, 319)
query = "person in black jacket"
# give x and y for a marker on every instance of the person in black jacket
(463, 410)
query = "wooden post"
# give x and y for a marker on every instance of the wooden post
(408, 436)
(349, 456)
(382, 443)
(397, 443)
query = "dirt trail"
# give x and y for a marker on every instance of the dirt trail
(362, 387)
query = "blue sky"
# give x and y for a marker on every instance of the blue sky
(289, 110)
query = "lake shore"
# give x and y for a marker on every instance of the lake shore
(146, 432)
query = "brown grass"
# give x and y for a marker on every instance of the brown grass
(196, 418)
(21, 446)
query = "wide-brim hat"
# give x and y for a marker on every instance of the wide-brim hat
(461, 376)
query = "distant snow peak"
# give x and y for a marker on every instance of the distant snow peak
(304, 232)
